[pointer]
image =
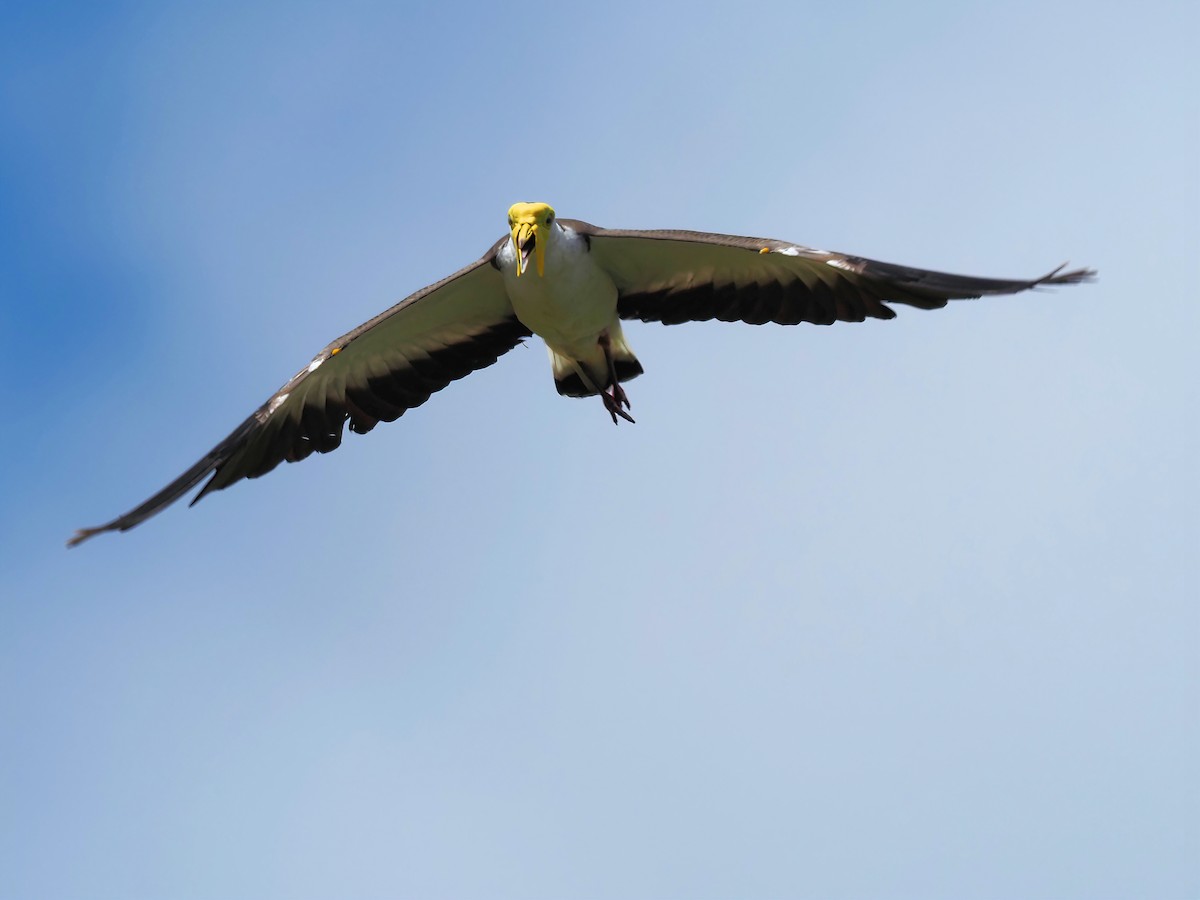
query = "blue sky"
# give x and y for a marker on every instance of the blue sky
(900, 609)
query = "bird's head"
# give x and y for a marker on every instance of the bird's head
(530, 224)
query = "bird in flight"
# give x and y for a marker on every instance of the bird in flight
(571, 284)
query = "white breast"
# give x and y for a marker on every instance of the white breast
(571, 303)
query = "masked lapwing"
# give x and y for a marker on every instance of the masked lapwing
(571, 284)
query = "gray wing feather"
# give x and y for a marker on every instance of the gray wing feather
(372, 374)
(687, 276)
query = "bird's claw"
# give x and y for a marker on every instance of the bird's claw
(612, 403)
(620, 396)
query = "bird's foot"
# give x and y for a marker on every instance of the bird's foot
(612, 403)
(620, 396)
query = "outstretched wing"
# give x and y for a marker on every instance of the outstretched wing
(690, 276)
(372, 374)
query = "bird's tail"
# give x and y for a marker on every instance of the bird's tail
(586, 377)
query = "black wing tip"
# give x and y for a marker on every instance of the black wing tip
(83, 534)
(1075, 276)
(156, 504)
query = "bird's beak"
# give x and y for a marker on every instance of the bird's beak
(529, 235)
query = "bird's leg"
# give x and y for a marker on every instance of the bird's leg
(614, 399)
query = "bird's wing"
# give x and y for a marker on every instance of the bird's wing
(372, 374)
(691, 276)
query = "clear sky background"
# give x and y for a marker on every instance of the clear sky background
(900, 609)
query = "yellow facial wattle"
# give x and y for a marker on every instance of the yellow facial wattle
(530, 223)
